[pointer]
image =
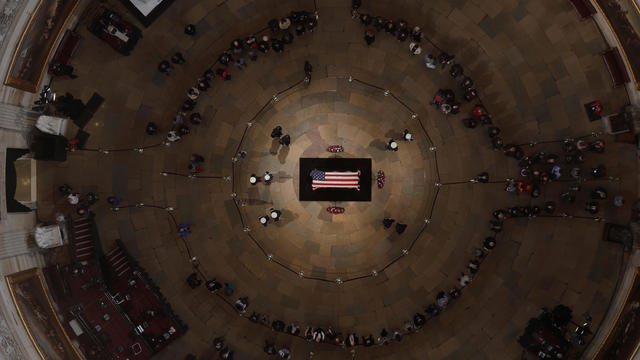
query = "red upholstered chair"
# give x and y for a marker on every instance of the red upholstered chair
(615, 65)
(136, 348)
(67, 48)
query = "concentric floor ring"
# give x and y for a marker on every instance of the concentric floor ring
(314, 128)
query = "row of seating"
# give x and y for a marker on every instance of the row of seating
(141, 300)
(120, 312)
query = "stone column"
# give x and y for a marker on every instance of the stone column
(17, 242)
(17, 118)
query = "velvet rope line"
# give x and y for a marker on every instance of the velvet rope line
(593, 134)
(195, 176)
(136, 149)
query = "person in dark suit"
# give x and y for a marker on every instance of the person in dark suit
(379, 23)
(489, 243)
(193, 280)
(392, 145)
(483, 177)
(276, 132)
(263, 45)
(60, 69)
(287, 37)
(165, 67)
(369, 37)
(190, 29)
(277, 45)
(469, 123)
(151, 129)
(213, 285)
(307, 68)
(177, 58)
(275, 214)
(366, 19)
(390, 28)
(285, 140)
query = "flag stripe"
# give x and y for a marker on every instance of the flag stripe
(342, 173)
(317, 182)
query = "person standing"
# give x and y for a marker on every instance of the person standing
(483, 177)
(276, 132)
(113, 200)
(73, 198)
(407, 136)
(151, 129)
(183, 230)
(284, 24)
(366, 19)
(592, 207)
(172, 136)
(253, 179)
(193, 93)
(60, 69)
(177, 58)
(236, 46)
(195, 118)
(190, 29)
(165, 67)
(430, 61)
(445, 59)
(470, 123)
(285, 140)
(194, 164)
(287, 37)
(369, 37)
(456, 70)
(618, 201)
(65, 189)
(415, 48)
(416, 34)
(307, 71)
(275, 214)
(193, 280)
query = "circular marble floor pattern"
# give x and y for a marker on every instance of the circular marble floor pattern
(536, 263)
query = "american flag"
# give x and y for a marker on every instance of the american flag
(335, 179)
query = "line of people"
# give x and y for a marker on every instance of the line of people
(239, 53)
(82, 203)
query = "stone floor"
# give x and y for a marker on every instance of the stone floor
(534, 63)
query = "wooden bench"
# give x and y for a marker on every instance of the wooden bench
(67, 48)
(584, 8)
(615, 65)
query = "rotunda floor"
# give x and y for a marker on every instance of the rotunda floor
(534, 64)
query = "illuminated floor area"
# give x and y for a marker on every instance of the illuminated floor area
(24, 176)
(534, 64)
